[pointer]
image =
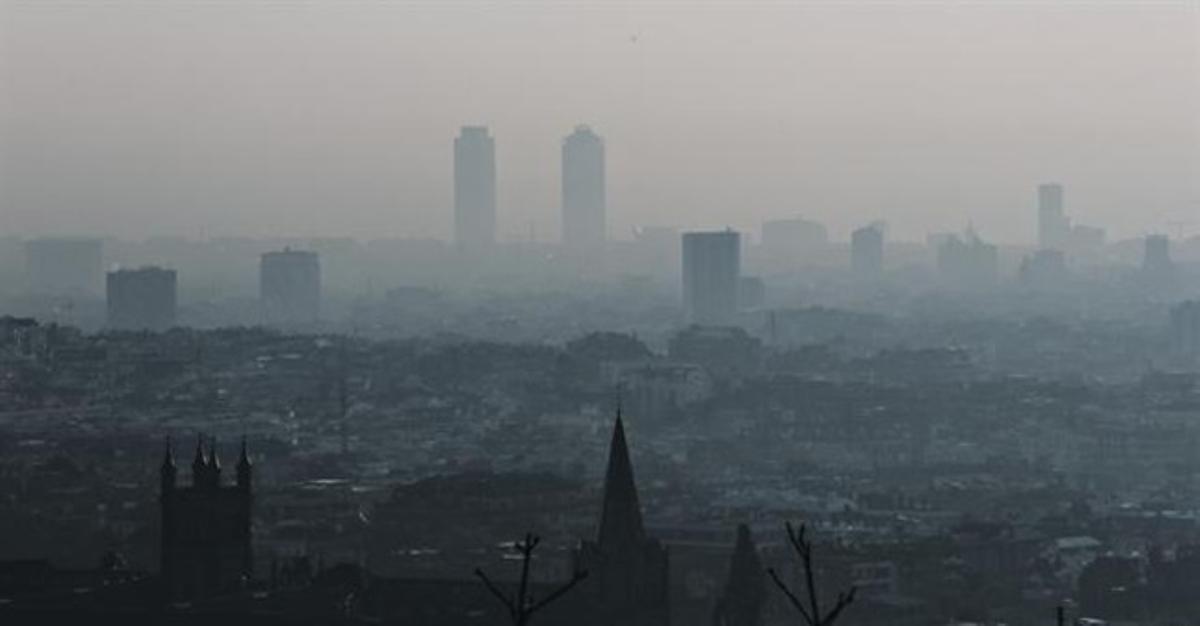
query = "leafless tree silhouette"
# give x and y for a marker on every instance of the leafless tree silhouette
(810, 611)
(522, 606)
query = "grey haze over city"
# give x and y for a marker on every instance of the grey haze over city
(335, 117)
(659, 313)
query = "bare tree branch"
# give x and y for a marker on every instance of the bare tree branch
(803, 547)
(522, 606)
(791, 596)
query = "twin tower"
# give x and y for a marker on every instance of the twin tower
(205, 549)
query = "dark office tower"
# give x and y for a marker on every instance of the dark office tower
(1157, 258)
(141, 299)
(627, 569)
(63, 267)
(290, 286)
(711, 275)
(474, 189)
(205, 544)
(583, 202)
(866, 252)
(1053, 225)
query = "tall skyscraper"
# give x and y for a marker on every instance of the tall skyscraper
(583, 198)
(64, 267)
(141, 299)
(474, 189)
(866, 251)
(711, 271)
(1054, 227)
(290, 286)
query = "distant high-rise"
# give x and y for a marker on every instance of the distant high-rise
(474, 188)
(1157, 257)
(141, 299)
(711, 272)
(290, 286)
(866, 251)
(1053, 225)
(583, 198)
(64, 267)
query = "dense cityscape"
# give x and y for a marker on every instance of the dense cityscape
(972, 434)
(832, 314)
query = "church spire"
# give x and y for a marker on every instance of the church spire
(621, 518)
(244, 466)
(199, 463)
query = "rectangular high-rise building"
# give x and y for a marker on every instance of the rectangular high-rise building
(711, 273)
(866, 251)
(1053, 225)
(64, 267)
(141, 299)
(290, 286)
(583, 200)
(474, 188)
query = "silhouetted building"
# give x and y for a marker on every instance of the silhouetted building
(205, 544)
(62, 267)
(474, 189)
(866, 251)
(1055, 230)
(627, 581)
(711, 271)
(967, 262)
(141, 299)
(1053, 225)
(290, 286)
(583, 195)
(745, 594)
(1156, 260)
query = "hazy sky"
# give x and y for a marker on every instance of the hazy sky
(336, 117)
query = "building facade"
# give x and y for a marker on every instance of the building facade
(866, 252)
(141, 299)
(474, 189)
(290, 286)
(711, 274)
(583, 191)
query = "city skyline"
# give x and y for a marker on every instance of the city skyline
(840, 115)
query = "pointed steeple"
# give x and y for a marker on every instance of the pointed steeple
(243, 466)
(621, 518)
(199, 463)
(741, 602)
(167, 470)
(168, 455)
(213, 461)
